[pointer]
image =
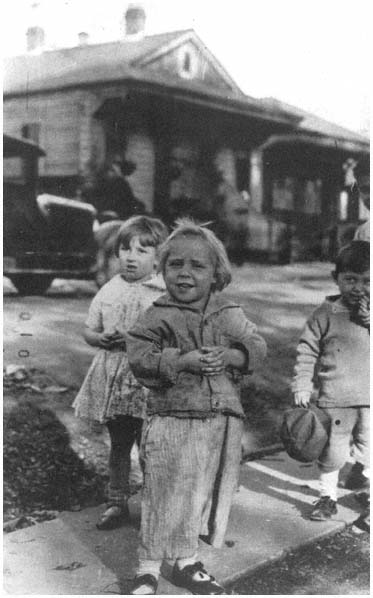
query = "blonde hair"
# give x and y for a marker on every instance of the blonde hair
(188, 228)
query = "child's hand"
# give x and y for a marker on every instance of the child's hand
(191, 362)
(213, 360)
(363, 312)
(118, 340)
(105, 340)
(302, 398)
(216, 359)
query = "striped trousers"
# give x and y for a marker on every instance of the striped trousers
(191, 469)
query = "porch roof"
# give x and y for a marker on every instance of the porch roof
(299, 138)
(319, 131)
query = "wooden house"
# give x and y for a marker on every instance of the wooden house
(165, 103)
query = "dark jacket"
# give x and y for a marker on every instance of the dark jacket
(169, 329)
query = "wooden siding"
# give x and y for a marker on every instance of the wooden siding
(58, 116)
(13, 169)
(73, 139)
(200, 67)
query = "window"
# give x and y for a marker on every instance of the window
(187, 63)
(283, 194)
(312, 197)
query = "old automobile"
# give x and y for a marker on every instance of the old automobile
(45, 236)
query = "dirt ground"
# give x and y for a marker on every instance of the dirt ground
(334, 566)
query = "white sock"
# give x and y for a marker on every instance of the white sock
(328, 483)
(149, 567)
(190, 560)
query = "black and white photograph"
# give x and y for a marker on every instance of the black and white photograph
(186, 297)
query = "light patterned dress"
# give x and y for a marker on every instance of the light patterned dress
(109, 388)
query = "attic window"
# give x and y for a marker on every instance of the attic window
(187, 63)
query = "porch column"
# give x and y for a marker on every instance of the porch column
(91, 138)
(256, 180)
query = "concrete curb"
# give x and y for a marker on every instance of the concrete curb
(269, 518)
(48, 559)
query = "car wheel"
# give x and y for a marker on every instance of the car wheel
(30, 284)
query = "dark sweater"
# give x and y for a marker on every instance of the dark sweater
(169, 329)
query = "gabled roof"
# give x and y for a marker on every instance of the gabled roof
(22, 73)
(127, 61)
(313, 124)
(188, 35)
(19, 70)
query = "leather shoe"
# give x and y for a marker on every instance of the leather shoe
(147, 580)
(196, 579)
(113, 517)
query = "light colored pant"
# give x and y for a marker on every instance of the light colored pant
(191, 469)
(349, 436)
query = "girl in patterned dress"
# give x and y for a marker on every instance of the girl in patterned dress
(110, 394)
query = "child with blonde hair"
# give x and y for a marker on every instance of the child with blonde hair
(190, 349)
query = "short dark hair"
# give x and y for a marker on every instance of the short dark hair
(187, 228)
(151, 232)
(354, 257)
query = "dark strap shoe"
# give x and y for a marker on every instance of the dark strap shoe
(356, 479)
(114, 516)
(324, 509)
(196, 579)
(143, 585)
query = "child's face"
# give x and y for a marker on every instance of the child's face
(136, 261)
(189, 271)
(353, 286)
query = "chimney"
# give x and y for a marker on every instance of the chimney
(35, 38)
(83, 38)
(134, 21)
(32, 132)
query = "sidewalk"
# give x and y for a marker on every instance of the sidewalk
(268, 518)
